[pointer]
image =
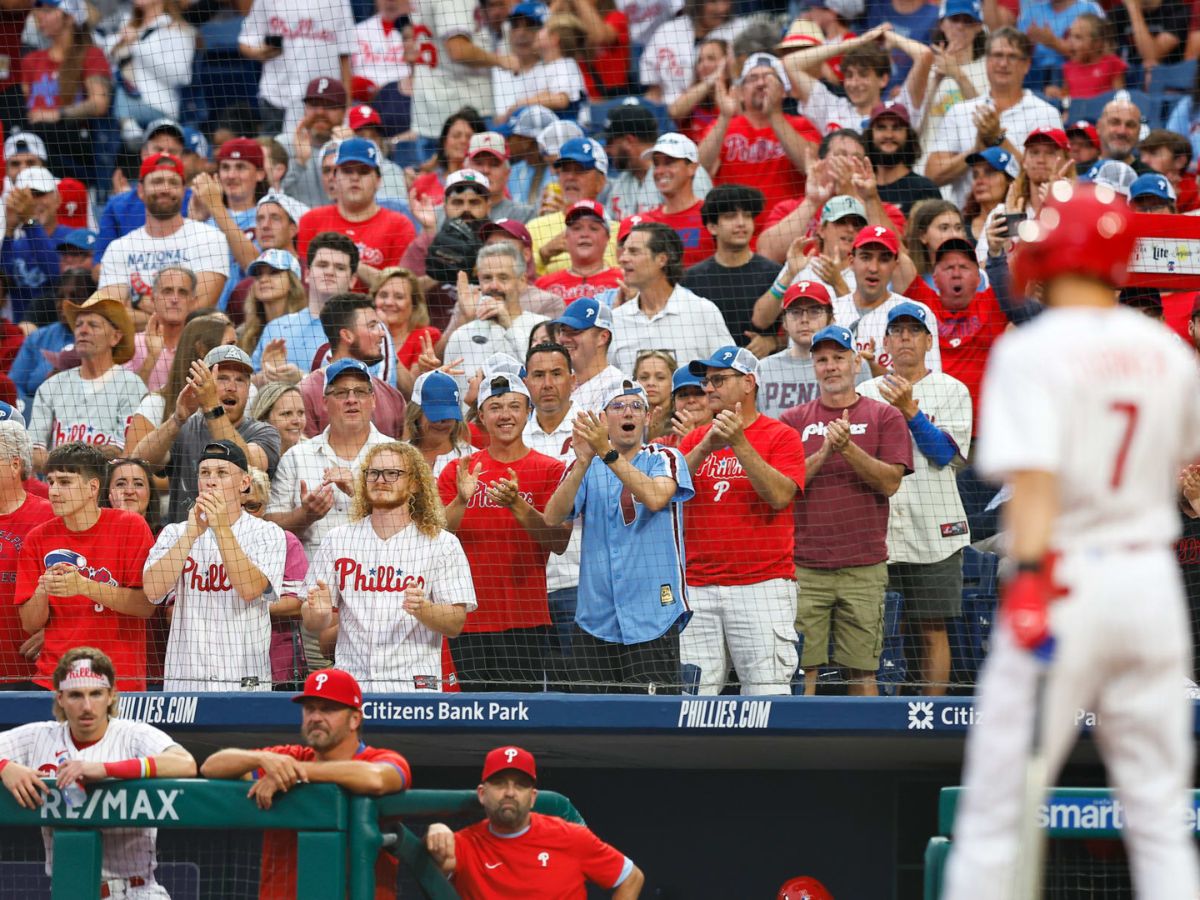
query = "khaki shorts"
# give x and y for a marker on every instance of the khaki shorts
(850, 599)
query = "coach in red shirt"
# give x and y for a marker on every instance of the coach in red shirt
(381, 235)
(746, 470)
(333, 753)
(856, 451)
(516, 852)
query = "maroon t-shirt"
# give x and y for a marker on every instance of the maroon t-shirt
(841, 520)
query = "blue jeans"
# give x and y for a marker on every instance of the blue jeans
(126, 107)
(562, 616)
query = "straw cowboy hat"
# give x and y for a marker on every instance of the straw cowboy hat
(107, 303)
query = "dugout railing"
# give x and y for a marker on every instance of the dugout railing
(338, 834)
(1069, 815)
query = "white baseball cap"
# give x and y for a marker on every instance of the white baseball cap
(35, 178)
(24, 142)
(774, 63)
(294, 208)
(676, 146)
(550, 139)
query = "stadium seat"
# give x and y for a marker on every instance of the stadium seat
(1090, 109)
(970, 634)
(690, 674)
(1176, 78)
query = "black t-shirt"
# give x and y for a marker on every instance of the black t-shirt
(733, 290)
(1171, 17)
(908, 190)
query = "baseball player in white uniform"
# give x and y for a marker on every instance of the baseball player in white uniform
(88, 743)
(399, 580)
(224, 569)
(1090, 413)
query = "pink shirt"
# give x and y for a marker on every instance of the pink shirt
(388, 416)
(162, 368)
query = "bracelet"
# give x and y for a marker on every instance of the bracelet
(3, 763)
(139, 767)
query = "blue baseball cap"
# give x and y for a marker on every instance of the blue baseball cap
(682, 378)
(80, 239)
(347, 366)
(534, 12)
(8, 411)
(437, 395)
(279, 260)
(586, 152)
(585, 313)
(838, 334)
(998, 158)
(358, 150)
(906, 310)
(1152, 185)
(972, 8)
(737, 358)
(195, 142)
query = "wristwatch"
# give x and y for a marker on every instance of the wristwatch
(215, 413)
(610, 457)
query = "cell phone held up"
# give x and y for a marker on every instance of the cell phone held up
(274, 40)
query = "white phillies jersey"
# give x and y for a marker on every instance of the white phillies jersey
(379, 643)
(440, 85)
(1109, 401)
(127, 852)
(218, 639)
(872, 325)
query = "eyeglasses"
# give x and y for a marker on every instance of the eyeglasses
(344, 394)
(389, 476)
(806, 312)
(717, 380)
(619, 406)
(1008, 57)
(252, 506)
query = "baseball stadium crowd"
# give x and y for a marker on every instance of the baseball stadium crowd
(603, 345)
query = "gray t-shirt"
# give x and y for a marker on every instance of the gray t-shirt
(185, 457)
(785, 381)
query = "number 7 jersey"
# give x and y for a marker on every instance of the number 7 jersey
(1109, 401)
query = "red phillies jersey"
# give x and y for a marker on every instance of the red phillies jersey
(552, 860)
(13, 529)
(754, 156)
(277, 874)
(381, 239)
(727, 509)
(566, 284)
(698, 244)
(508, 567)
(841, 520)
(965, 336)
(113, 551)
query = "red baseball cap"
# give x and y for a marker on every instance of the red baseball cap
(511, 227)
(361, 116)
(72, 203)
(363, 90)
(1056, 136)
(811, 290)
(1087, 129)
(803, 888)
(877, 234)
(585, 208)
(160, 161)
(509, 758)
(627, 225)
(891, 108)
(246, 149)
(331, 684)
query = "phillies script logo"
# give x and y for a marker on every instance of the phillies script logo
(723, 466)
(305, 28)
(740, 149)
(376, 578)
(205, 578)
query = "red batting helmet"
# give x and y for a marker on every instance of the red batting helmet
(803, 888)
(1082, 229)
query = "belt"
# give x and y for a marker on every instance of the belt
(135, 881)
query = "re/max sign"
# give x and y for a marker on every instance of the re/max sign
(124, 806)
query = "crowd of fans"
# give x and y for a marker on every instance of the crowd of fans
(629, 345)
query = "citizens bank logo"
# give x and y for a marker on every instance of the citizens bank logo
(920, 715)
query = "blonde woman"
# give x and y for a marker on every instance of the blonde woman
(433, 421)
(400, 303)
(277, 291)
(399, 581)
(279, 403)
(653, 370)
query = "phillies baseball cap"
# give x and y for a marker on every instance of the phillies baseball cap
(585, 313)
(226, 451)
(362, 116)
(346, 366)
(80, 240)
(1087, 129)
(1149, 185)
(682, 378)
(25, 142)
(195, 142)
(509, 758)
(729, 357)
(838, 334)
(878, 235)
(806, 290)
(627, 388)
(554, 137)
(537, 13)
(36, 179)
(998, 158)
(529, 121)
(585, 208)
(503, 364)
(225, 354)
(157, 161)
(331, 684)
(8, 411)
(242, 148)
(803, 888)
(890, 108)
(972, 8)
(586, 152)
(1056, 136)
(325, 92)
(487, 142)
(767, 61)
(294, 209)
(500, 384)
(276, 259)
(841, 206)
(72, 203)
(627, 225)
(676, 146)
(358, 150)
(437, 395)
(1114, 174)
(362, 90)
(511, 227)
(955, 245)
(468, 179)
(908, 310)
(163, 124)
